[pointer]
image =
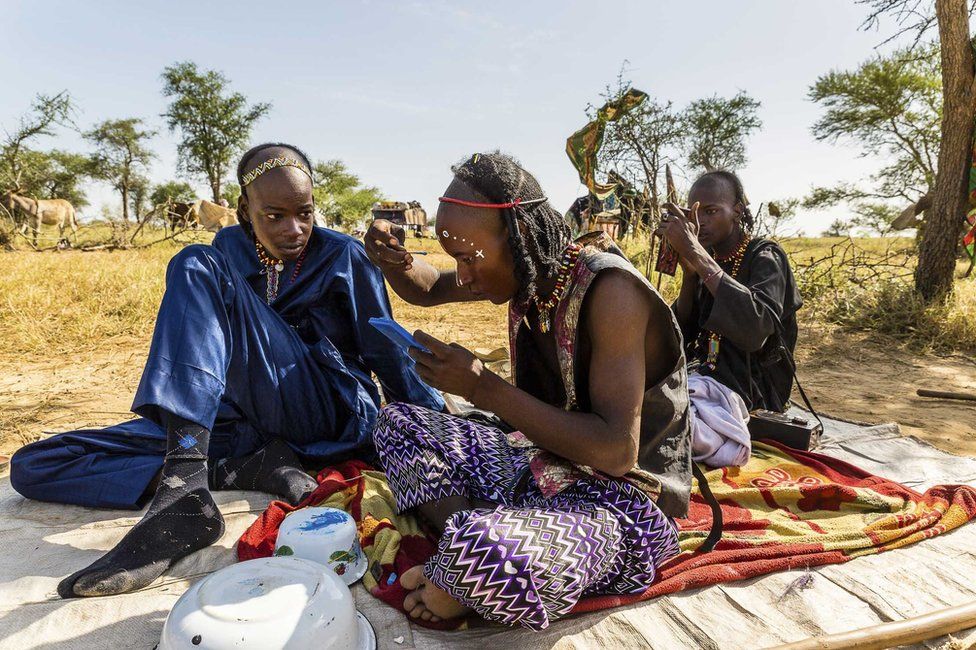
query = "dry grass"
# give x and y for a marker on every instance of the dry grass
(54, 304)
(19, 424)
(867, 285)
(864, 284)
(64, 302)
(60, 303)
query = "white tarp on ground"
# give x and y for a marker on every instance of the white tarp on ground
(43, 542)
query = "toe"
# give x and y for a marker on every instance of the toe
(412, 600)
(426, 614)
(417, 611)
(412, 578)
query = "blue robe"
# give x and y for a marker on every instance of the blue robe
(298, 369)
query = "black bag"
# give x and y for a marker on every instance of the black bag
(792, 431)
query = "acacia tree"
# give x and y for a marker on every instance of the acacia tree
(638, 145)
(16, 162)
(837, 228)
(214, 122)
(54, 174)
(717, 130)
(709, 133)
(940, 240)
(121, 158)
(891, 107)
(139, 198)
(231, 193)
(339, 195)
(172, 192)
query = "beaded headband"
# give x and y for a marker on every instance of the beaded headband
(270, 164)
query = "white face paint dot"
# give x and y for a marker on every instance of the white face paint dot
(453, 237)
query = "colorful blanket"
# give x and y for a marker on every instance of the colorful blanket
(785, 509)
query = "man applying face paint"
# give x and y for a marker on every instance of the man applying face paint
(599, 393)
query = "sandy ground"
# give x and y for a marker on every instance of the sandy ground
(850, 375)
(861, 377)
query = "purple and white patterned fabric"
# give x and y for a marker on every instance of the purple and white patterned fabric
(530, 558)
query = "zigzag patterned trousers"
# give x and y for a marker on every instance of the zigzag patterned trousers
(529, 559)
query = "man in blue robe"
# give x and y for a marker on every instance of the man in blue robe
(261, 358)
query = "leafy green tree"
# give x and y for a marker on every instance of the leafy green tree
(949, 193)
(339, 195)
(17, 165)
(55, 174)
(139, 200)
(172, 192)
(889, 107)
(638, 145)
(875, 216)
(214, 123)
(230, 193)
(66, 172)
(717, 130)
(122, 157)
(710, 133)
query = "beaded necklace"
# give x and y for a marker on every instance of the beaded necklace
(273, 268)
(566, 266)
(736, 257)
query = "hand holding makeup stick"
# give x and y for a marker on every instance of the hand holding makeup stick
(384, 245)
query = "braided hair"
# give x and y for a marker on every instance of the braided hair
(242, 169)
(740, 194)
(537, 233)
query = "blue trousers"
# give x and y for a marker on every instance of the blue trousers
(219, 357)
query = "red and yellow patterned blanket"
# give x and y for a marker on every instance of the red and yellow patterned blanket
(785, 509)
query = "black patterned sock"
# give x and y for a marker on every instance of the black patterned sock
(181, 519)
(274, 468)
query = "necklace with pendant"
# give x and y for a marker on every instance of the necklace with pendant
(715, 340)
(545, 307)
(273, 268)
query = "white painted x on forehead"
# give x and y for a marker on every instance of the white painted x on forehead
(464, 229)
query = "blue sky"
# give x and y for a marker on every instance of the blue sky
(401, 90)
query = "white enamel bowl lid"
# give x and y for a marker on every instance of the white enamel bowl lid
(325, 535)
(276, 602)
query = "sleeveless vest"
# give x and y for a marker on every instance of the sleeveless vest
(664, 457)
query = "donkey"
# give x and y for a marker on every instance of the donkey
(54, 212)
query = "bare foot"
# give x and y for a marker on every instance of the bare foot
(427, 601)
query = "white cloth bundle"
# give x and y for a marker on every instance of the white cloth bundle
(719, 419)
